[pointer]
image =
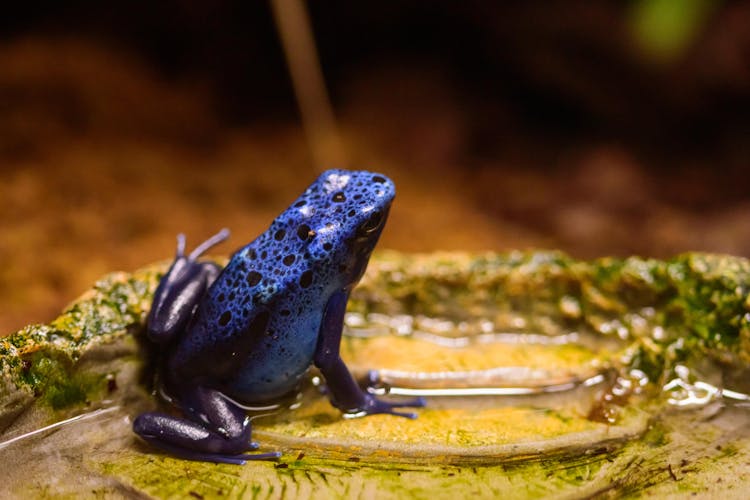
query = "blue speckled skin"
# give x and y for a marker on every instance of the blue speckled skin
(249, 334)
(255, 331)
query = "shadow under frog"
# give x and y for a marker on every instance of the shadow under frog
(248, 333)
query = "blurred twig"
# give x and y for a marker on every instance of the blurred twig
(295, 31)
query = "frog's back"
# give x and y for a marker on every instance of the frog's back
(264, 300)
(256, 329)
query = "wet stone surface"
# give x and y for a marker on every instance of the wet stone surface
(545, 377)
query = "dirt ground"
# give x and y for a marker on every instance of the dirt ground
(103, 161)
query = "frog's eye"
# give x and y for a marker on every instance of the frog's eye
(371, 224)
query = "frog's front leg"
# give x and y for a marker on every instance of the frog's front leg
(217, 431)
(346, 395)
(180, 289)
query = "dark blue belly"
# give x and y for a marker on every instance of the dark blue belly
(278, 363)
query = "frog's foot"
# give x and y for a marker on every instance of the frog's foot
(375, 385)
(371, 405)
(192, 441)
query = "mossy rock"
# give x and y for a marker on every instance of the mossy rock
(534, 321)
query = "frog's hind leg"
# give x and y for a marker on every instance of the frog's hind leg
(217, 430)
(181, 288)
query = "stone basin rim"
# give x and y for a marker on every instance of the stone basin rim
(401, 452)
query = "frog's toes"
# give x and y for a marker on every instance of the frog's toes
(374, 406)
(419, 402)
(409, 403)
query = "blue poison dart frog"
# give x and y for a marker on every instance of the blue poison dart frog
(247, 334)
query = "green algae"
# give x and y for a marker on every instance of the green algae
(654, 466)
(354, 479)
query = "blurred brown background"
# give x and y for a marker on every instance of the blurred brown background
(596, 127)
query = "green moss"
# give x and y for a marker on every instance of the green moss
(43, 359)
(57, 382)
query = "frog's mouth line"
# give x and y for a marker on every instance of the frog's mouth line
(363, 242)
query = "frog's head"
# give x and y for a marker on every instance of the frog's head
(345, 212)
